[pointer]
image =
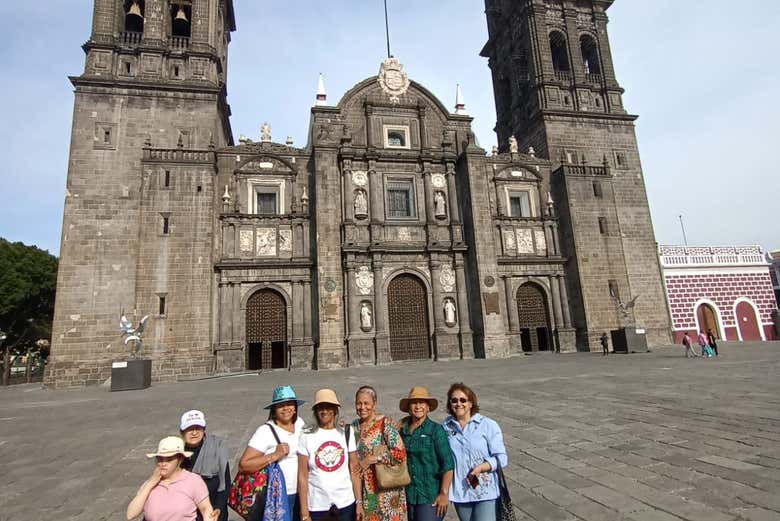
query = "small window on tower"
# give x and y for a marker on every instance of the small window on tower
(520, 204)
(107, 136)
(560, 56)
(161, 305)
(614, 292)
(176, 71)
(590, 58)
(128, 69)
(166, 225)
(167, 178)
(597, 190)
(603, 228)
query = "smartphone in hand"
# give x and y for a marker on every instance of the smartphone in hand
(473, 481)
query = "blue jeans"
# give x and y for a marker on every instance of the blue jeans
(476, 510)
(424, 512)
(294, 507)
(341, 514)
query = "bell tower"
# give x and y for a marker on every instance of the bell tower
(556, 91)
(154, 78)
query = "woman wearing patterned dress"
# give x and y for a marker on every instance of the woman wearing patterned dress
(373, 430)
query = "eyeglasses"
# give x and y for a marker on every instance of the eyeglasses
(459, 400)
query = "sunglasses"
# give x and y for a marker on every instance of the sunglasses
(459, 400)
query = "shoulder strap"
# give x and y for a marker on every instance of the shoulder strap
(273, 431)
(346, 435)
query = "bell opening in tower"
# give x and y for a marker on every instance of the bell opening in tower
(134, 16)
(181, 17)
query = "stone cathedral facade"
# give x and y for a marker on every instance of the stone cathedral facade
(390, 236)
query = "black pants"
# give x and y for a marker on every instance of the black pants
(335, 514)
(714, 347)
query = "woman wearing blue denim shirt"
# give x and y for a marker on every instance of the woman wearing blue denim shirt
(478, 447)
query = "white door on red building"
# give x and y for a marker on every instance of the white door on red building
(747, 322)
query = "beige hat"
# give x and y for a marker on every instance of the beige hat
(170, 446)
(418, 392)
(325, 396)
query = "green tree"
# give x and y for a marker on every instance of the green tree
(28, 280)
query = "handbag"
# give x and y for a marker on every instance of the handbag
(505, 511)
(389, 476)
(247, 494)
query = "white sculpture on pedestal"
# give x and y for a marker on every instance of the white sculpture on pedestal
(365, 316)
(449, 312)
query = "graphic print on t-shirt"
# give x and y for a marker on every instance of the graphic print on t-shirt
(329, 457)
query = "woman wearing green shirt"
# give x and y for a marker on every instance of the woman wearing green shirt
(429, 458)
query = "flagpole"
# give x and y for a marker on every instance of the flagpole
(387, 30)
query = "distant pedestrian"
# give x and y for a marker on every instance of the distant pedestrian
(705, 348)
(604, 344)
(711, 340)
(689, 351)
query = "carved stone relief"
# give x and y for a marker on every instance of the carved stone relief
(364, 280)
(525, 241)
(246, 239)
(359, 178)
(447, 278)
(404, 234)
(438, 181)
(366, 316)
(541, 242)
(510, 245)
(266, 242)
(285, 240)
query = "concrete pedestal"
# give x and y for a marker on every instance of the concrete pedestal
(629, 340)
(131, 375)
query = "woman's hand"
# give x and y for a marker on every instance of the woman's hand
(367, 461)
(480, 469)
(282, 450)
(441, 504)
(155, 477)
(214, 514)
(359, 512)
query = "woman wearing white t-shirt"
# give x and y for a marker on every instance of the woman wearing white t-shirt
(328, 471)
(263, 448)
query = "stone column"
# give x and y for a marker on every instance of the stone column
(466, 342)
(297, 316)
(454, 209)
(511, 311)
(155, 16)
(438, 314)
(376, 203)
(423, 131)
(430, 212)
(500, 202)
(307, 303)
(564, 302)
(557, 304)
(235, 314)
(380, 316)
(353, 302)
(225, 299)
(349, 201)
(369, 126)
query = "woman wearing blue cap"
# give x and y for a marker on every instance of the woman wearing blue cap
(277, 441)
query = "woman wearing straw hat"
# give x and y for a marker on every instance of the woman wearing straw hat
(171, 493)
(428, 457)
(477, 445)
(328, 478)
(277, 441)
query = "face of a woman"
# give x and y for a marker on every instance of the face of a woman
(365, 406)
(193, 436)
(326, 415)
(168, 465)
(461, 405)
(284, 412)
(419, 409)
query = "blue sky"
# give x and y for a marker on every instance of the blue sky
(703, 80)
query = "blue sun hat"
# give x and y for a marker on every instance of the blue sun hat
(282, 394)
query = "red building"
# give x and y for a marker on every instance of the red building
(724, 288)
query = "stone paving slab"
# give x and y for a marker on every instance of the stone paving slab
(645, 437)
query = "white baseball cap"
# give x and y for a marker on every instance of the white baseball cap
(190, 418)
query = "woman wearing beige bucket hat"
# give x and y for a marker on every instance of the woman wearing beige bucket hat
(428, 457)
(328, 479)
(171, 493)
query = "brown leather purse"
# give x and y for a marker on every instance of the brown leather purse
(389, 476)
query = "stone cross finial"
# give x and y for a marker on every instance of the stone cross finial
(513, 144)
(265, 133)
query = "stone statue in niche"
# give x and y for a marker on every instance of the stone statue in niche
(449, 312)
(365, 316)
(361, 204)
(513, 144)
(439, 205)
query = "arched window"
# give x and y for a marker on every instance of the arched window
(181, 18)
(560, 56)
(590, 54)
(134, 16)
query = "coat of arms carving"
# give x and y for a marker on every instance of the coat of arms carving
(393, 79)
(364, 280)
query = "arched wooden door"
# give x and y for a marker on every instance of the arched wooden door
(708, 320)
(266, 330)
(407, 309)
(747, 322)
(534, 318)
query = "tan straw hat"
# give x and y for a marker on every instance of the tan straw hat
(418, 392)
(325, 396)
(170, 446)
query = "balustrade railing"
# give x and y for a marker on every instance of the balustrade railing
(683, 256)
(564, 76)
(178, 154)
(130, 38)
(180, 42)
(584, 170)
(594, 78)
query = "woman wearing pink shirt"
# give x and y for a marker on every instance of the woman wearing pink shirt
(171, 493)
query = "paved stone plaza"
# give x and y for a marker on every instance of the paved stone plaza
(643, 437)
